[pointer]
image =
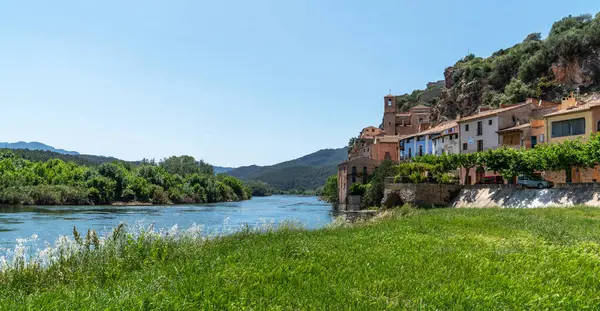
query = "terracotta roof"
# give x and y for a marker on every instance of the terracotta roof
(578, 108)
(359, 159)
(438, 129)
(388, 139)
(405, 114)
(514, 128)
(420, 107)
(492, 112)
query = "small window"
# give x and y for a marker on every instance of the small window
(420, 150)
(541, 138)
(389, 103)
(465, 146)
(466, 127)
(388, 156)
(479, 128)
(442, 140)
(490, 122)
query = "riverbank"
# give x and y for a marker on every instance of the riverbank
(451, 259)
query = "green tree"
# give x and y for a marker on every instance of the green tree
(330, 189)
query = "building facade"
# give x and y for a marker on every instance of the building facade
(351, 172)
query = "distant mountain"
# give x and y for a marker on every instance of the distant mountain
(307, 172)
(35, 146)
(222, 169)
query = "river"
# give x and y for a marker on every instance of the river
(47, 223)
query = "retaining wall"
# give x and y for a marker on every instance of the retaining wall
(563, 195)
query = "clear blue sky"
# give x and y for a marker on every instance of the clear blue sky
(233, 82)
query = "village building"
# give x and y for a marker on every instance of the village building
(447, 141)
(479, 132)
(351, 172)
(416, 119)
(574, 120)
(421, 143)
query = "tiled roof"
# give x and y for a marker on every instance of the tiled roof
(420, 107)
(406, 114)
(578, 108)
(514, 128)
(490, 112)
(438, 129)
(388, 139)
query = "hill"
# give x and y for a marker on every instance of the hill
(222, 169)
(567, 60)
(45, 155)
(35, 146)
(307, 172)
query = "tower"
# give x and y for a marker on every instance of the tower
(389, 114)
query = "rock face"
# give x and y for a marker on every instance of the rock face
(578, 72)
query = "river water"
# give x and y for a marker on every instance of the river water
(50, 222)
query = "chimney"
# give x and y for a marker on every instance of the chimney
(482, 109)
(518, 122)
(458, 116)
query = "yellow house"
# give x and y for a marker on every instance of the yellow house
(575, 121)
(572, 123)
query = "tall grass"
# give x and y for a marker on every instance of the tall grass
(444, 259)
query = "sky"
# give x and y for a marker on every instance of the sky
(234, 82)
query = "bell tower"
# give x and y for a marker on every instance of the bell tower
(389, 114)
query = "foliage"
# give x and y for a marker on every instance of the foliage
(376, 185)
(330, 190)
(409, 260)
(57, 182)
(259, 188)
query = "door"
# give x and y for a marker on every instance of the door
(533, 141)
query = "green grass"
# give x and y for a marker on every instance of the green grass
(440, 259)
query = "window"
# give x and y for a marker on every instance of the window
(568, 127)
(442, 140)
(490, 122)
(465, 146)
(364, 173)
(409, 152)
(388, 156)
(480, 145)
(354, 174)
(533, 141)
(466, 127)
(389, 103)
(456, 136)
(541, 138)
(479, 128)
(420, 150)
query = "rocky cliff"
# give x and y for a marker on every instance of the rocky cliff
(568, 59)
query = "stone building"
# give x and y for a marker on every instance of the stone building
(416, 119)
(351, 172)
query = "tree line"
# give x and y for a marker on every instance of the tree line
(173, 180)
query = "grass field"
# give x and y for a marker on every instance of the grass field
(440, 259)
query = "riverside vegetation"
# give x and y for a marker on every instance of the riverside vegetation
(172, 180)
(438, 259)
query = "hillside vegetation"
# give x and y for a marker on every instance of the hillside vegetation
(308, 172)
(56, 182)
(440, 259)
(45, 155)
(549, 68)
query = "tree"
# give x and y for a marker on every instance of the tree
(468, 161)
(376, 186)
(330, 189)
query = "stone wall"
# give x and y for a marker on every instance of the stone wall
(420, 194)
(574, 194)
